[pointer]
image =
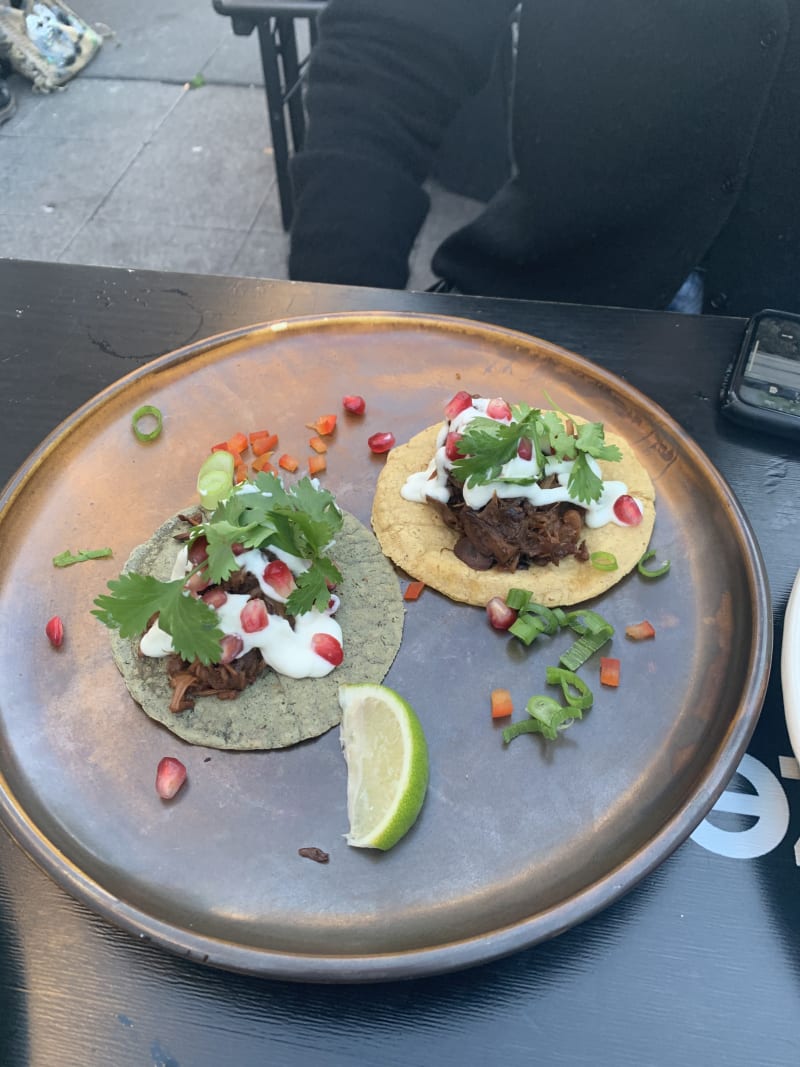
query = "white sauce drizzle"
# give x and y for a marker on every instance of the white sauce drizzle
(286, 649)
(431, 483)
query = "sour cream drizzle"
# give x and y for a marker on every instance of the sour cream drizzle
(286, 649)
(432, 482)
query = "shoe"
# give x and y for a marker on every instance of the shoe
(8, 105)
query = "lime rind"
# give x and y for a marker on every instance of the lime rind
(372, 715)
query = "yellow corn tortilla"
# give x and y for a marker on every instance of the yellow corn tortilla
(275, 711)
(417, 539)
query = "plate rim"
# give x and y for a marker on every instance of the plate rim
(474, 949)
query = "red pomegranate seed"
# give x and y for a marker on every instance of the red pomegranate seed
(170, 776)
(333, 605)
(326, 646)
(215, 598)
(451, 446)
(498, 409)
(381, 442)
(54, 629)
(460, 402)
(278, 575)
(238, 549)
(198, 551)
(525, 448)
(232, 646)
(500, 615)
(197, 582)
(627, 510)
(356, 405)
(253, 616)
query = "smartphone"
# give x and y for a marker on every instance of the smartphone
(761, 388)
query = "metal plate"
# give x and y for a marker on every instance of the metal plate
(514, 844)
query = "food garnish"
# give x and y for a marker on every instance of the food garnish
(215, 479)
(387, 764)
(381, 442)
(324, 425)
(147, 413)
(55, 631)
(302, 521)
(67, 558)
(603, 561)
(487, 444)
(356, 405)
(318, 444)
(413, 590)
(652, 572)
(288, 463)
(170, 776)
(640, 631)
(502, 705)
(609, 671)
(316, 465)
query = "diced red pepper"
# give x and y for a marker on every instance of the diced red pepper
(502, 705)
(413, 590)
(262, 442)
(289, 463)
(240, 472)
(262, 463)
(238, 443)
(609, 671)
(318, 444)
(640, 631)
(221, 447)
(316, 465)
(324, 425)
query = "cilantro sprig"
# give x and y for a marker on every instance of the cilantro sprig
(303, 521)
(487, 445)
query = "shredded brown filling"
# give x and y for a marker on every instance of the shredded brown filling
(512, 533)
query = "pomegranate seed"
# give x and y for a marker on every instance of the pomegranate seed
(232, 646)
(627, 510)
(451, 445)
(55, 631)
(333, 605)
(498, 409)
(197, 582)
(238, 549)
(253, 616)
(381, 442)
(500, 615)
(525, 448)
(278, 575)
(331, 585)
(326, 646)
(198, 551)
(215, 598)
(356, 405)
(460, 402)
(170, 776)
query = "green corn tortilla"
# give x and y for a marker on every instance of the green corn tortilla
(274, 711)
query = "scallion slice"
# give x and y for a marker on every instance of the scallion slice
(651, 572)
(527, 628)
(215, 479)
(518, 599)
(147, 411)
(603, 561)
(570, 682)
(587, 644)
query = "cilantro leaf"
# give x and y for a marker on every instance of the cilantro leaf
(135, 598)
(591, 440)
(485, 446)
(311, 589)
(67, 558)
(584, 485)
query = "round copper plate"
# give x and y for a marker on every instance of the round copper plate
(514, 844)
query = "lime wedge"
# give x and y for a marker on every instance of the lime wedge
(387, 764)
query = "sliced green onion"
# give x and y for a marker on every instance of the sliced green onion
(67, 558)
(527, 628)
(584, 621)
(569, 682)
(524, 726)
(147, 411)
(586, 645)
(560, 617)
(518, 599)
(550, 715)
(215, 479)
(654, 572)
(603, 561)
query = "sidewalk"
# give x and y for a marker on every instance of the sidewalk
(128, 166)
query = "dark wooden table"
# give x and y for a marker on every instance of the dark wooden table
(699, 964)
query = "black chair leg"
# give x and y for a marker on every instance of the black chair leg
(277, 120)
